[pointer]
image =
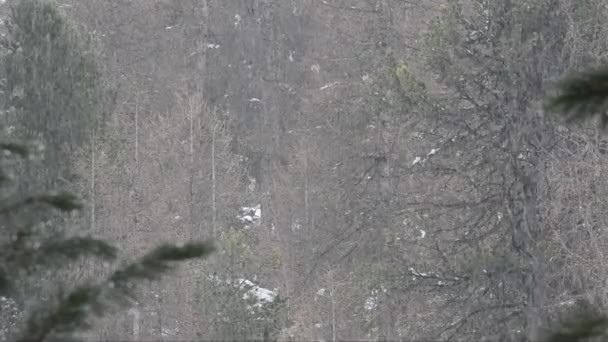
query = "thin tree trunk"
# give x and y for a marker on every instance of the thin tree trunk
(213, 182)
(136, 129)
(190, 107)
(306, 204)
(332, 289)
(202, 70)
(134, 312)
(135, 183)
(525, 225)
(92, 224)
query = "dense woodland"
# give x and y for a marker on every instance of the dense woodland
(378, 170)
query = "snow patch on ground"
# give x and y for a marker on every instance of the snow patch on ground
(421, 160)
(372, 301)
(261, 295)
(250, 215)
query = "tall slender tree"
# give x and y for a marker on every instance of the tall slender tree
(50, 83)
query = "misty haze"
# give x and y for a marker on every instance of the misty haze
(302, 170)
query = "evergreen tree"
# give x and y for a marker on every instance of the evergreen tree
(50, 94)
(50, 83)
(28, 249)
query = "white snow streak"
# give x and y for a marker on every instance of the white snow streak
(428, 155)
(327, 86)
(422, 233)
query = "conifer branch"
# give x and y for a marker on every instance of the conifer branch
(581, 329)
(62, 201)
(69, 316)
(52, 253)
(582, 96)
(73, 312)
(73, 248)
(20, 149)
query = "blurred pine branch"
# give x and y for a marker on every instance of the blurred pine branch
(582, 96)
(73, 311)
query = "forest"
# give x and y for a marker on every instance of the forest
(303, 170)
